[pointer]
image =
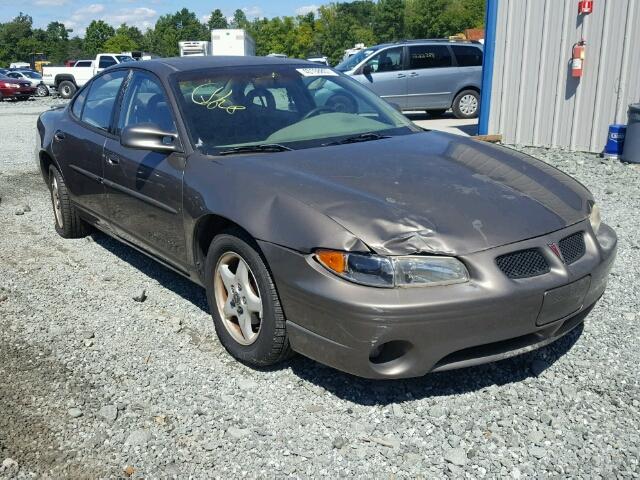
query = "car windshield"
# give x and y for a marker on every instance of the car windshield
(31, 75)
(292, 106)
(125, 58)
(351, 62)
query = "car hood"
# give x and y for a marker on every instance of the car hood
(427, 192)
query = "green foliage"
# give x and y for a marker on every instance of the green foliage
(239, 20)
(173, 28)
(217, 20)
(98, 32)
(335, 28)
(442, 18)
(388, 21)
(126, 39)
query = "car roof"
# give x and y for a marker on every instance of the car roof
(427, 41)
(185, 64)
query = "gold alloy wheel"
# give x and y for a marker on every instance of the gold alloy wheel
(55, 199)
(238, 298)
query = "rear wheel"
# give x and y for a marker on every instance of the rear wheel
(244, 304)
(466, 104)
(437, 113)
(66, 89)
(67, 221)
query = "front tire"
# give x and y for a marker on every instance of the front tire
(42, 90)
(466, 104)
(243, 301)
(67, 221)
(67, 89)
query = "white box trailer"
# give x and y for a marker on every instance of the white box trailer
(232, 41)
(195, 48)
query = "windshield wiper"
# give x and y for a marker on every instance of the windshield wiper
(266, 147)
(363, 137)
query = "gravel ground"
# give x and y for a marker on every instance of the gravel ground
(94, 384)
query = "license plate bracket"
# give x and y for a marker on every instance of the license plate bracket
(563, 301)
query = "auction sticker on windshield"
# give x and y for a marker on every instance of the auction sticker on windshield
(316, 72)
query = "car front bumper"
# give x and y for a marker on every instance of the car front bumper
(408, 332)
(17, 92)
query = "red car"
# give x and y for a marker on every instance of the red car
(12, 88)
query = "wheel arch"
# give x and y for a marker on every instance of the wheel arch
(205, 230)
(62, 77)
(468, 87)
(46, 161)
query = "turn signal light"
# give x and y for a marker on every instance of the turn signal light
(332, 260)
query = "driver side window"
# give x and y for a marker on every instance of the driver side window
(389, 60)
(145, 102)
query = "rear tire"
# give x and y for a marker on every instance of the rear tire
(466, 104)
(67, 89)
(437, 113)
(268, 342)
(67, 221)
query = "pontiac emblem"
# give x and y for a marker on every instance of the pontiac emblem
(555, 249)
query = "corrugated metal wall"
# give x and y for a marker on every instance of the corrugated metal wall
(534, 99)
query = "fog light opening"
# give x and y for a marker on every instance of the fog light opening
(389, 351)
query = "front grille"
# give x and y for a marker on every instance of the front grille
(572, 247)
(523, 264)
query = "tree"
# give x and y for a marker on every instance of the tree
(16, 42)
(126, 39)
(98, 32)
(239, 20)
(173, 28)
(217, 20)
(57, 42)
(388, 23)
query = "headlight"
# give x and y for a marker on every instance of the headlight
(595, 218)
(389, 272)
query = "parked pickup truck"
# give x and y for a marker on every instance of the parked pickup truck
(68, 79)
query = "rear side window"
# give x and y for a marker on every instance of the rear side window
(78, 103)
(467, 56)
(429, 56)
(101, 98)
(106, 62)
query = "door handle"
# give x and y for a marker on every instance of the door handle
(59, 135)
(401, 75)
(111, 160)
(413, 74)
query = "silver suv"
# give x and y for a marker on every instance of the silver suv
(431, 75)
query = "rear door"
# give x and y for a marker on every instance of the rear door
(431, 77)
(469, 60)
(144, 187)
(79, 141)
(386, 76)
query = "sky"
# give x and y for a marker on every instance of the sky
(142, 13)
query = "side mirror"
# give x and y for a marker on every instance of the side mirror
(148, 136)
(367, 70)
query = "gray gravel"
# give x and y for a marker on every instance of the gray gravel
(94, 384)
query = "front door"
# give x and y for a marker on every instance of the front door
(145, 188)
(385, 75)
(432, 77)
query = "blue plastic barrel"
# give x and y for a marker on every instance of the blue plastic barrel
(615, 140)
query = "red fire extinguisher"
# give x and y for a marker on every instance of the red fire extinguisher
(577, 59)
(585, 7)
